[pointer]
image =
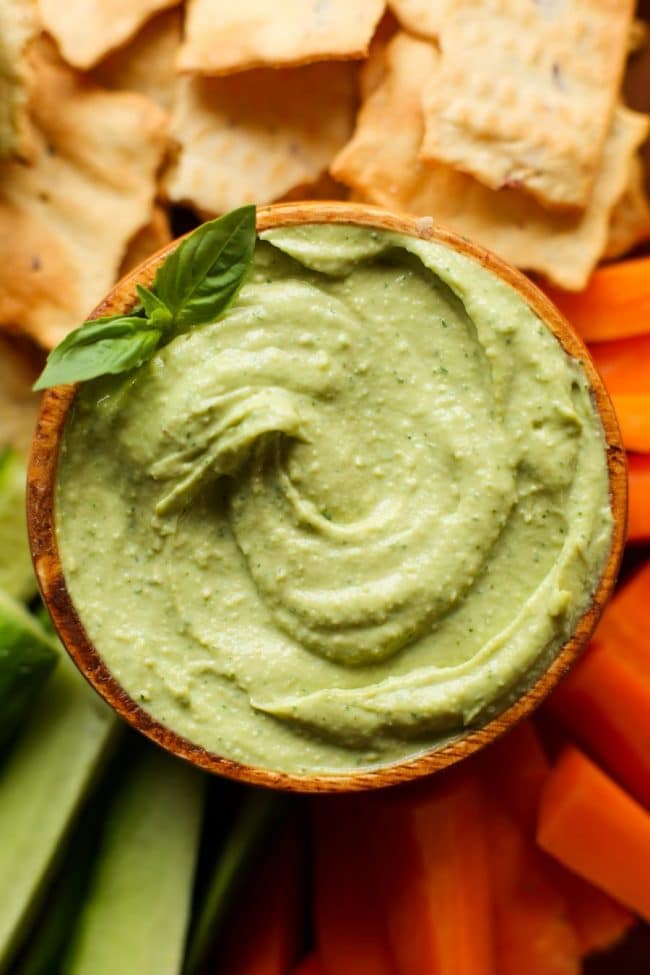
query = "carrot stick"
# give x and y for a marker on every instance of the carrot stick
(596, 829)
(431, 864)
(633, 414)
(615, 304)
(625, 363)
(265, 935)
(605, 703)
(598, 920)
(350, 931)
(517, 767)
(310, 966)
(627, 621)
(638, 515)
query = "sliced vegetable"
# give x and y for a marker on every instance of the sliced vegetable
(627, 618)
(638, 515)
(310, 966)
(259, 814)
(624, 364)
(615, 304)
(136, 913)
(16, 572)
(28, 655)
(598, 920)
(593, 827)
(43, 783)
(431, 862)
(271, 907)
(633, 414)
(516, 767)
(350, 931)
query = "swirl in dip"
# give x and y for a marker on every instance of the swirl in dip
(354, 516)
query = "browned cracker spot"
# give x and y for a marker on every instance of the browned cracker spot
(67, 219)
(255, 136)
(18, 27)
(525, 93)
(86, 30)
(422, 17)
(222, 36)
(146, 63)
(387, 171)
(629, 224)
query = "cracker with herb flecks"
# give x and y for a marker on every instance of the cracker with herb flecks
(222, 36)
(525, 93)
(18, 28)
(387, 170)
(253, 137)
(422, 17)
(629, 223)
(86, 30)
(66, 220)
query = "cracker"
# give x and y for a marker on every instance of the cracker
(147, 240)
(422, 17)
(19, 368)
(146, 63)
(629, 224)
(525, 93)
(86, 30)
(18, 28)
(66, 219)
(387, 171)
(222, 36)
(255, 136)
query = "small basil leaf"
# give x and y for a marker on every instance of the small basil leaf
(202, 276)
(154, 308)
(108, 345)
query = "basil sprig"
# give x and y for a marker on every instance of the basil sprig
(192, 286)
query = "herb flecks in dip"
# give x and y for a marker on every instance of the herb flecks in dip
(348, 519)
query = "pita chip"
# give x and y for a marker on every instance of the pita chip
(254, 137)
(66, 220)
(526, 92)
(563, 247)
(222, 37)
(19, 368)
(86, 30)
(18, 28)
(629, 224)
(422, 17)
(147, 240)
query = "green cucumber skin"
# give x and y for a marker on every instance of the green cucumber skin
(27, 658)
(135, 917)
(43, 781)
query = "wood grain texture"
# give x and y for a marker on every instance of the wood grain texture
(42, 521)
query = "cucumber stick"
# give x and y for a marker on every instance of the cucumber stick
(27, 656)
(134, 920)
(16, 573)
(43, 782)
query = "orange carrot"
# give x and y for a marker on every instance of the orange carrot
(627, 621)
(350, 931)
(596, 829)
(605, 703)
(638, 516)
(624, 364)
(265, 935)
(310, 966)
(615, 304)
(598, 920)
(516, 767)
(633, 414)
(431, 864)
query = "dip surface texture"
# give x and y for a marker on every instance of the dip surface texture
(357, 514)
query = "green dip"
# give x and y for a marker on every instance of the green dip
(354, 516)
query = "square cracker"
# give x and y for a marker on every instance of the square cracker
(18, 28)
(86, 30)
(65, 220)
(222, 36)
(253, 137)
(387, 171)
(422, 17)
(525, 93)
(629, 223)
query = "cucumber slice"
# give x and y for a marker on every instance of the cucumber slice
(16, 572)
(136, 913)
(43, 782)
(27, 656)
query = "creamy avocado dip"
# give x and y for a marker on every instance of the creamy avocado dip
(352, 517)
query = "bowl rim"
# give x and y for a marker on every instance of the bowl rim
(41, 483)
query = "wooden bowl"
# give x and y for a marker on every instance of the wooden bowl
(41, 518)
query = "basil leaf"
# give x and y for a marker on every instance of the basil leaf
(202, 276)
(106, 345)
(155, 309)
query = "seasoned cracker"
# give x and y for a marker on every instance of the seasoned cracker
(253, 137)
(222, 37)
(147, 240)
(387, 171)
(86, 30)
(422, 17)
(66, 220)
(629, 224)
(19, 368)
(18, 28)
(525, 93)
